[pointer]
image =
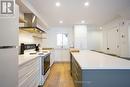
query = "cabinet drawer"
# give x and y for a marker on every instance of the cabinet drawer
(28, 80)
(25, 69)
(34, 82)
(29, 73)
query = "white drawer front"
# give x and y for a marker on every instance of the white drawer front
(29, 73)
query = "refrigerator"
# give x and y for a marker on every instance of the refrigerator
(8, 50)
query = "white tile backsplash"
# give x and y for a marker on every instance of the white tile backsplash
(27, 37)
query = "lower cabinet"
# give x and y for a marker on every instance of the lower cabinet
(76, 73)
(29, 74)
(52, 58)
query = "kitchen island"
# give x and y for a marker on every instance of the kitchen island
(93, 69)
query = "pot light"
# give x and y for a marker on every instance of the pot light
(58, 4)
(60, 22)
(100, 28)
(82, 21)
(86, 4)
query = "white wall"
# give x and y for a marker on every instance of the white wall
(51, 36)
(90, 38)
(27, 38)
(60, 54)
(94, 38)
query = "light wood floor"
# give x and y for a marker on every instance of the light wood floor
(59, 76)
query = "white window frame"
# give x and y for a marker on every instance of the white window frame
(62, 45)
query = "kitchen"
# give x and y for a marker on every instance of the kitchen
(64, 43)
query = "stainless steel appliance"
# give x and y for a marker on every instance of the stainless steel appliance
(31, 24)
(46, 64)
(45, 67)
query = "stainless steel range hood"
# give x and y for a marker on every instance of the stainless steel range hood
(31, 24)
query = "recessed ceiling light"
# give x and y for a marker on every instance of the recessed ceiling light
(60, 22)
(58, 4)
(82, 21)
(86, 4)
(100, 28)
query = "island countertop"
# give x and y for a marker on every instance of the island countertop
(94, 60)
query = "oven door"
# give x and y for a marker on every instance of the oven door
(46, 64)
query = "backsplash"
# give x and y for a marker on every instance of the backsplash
(29, 38)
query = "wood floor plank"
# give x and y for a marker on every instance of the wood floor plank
(59, 76)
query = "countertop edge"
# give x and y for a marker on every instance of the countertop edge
(98, 68)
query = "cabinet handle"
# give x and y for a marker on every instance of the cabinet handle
(123, 36)
(118, 46)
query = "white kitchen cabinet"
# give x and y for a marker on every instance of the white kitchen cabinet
(124, 38)
(116, 38)
(80, 36)
(29, 73)
(62, 55)
(104, 41)
(129, 39)
(113, 41)
(52, 57)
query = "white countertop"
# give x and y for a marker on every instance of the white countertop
(94, 60)
(27, 57)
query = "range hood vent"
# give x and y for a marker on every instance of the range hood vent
(31, 23)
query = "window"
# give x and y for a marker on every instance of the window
(62, 40)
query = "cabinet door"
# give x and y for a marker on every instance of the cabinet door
(129, 39)
(80, 36)
(105, 40)
(62, 55)
(124, 40)
(29, 73)
(52, 56)
(113, 41)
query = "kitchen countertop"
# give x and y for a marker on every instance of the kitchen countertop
(28, 57)
(74, 50)
(94, 60)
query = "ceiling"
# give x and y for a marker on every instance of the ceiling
(73, 11)
(22, 7)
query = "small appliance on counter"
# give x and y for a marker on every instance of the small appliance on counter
(24, 47)
(37, 47)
